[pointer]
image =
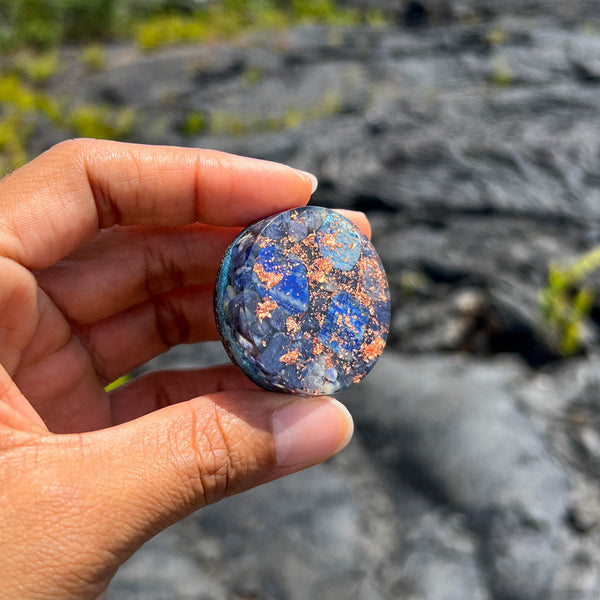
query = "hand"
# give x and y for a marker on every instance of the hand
(108, 255)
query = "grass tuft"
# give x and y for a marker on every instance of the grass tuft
(194, 123)
(91, 120)
(94, 58)
(230, 18)
(566, 302)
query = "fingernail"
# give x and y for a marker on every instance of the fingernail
(309, 431)
(314, 182)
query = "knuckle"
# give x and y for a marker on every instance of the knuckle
(172, 324)
(215, 163)
(221, 455)
(215, 459)
(89, 336)
(162, 272)
(70, 152)
(70, 147)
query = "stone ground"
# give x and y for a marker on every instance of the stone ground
(466, 479)
(469, 132)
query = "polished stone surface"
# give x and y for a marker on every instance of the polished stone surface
(302, 302)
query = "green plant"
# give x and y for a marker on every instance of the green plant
(93, 57)
(169, 30)
(252, 76)
(329, 104)
(36, 67)
(227, 123)
(89, 19)
(566, 302)
(91, 120)
(413, 282)
(154, 23)
(292, 118)
(46, 23)
(229, 18)
(194, 123)
(590, 28)
(15, 93)
(496, 36)
(20, 104)
(324, 11)
(15, 129)
(34, 22)
(375, 18)
(502, 74)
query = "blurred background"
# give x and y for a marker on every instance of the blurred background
(469, 131)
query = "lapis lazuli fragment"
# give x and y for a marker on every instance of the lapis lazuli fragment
(302, 302)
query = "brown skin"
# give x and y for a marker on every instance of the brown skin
(108, 255)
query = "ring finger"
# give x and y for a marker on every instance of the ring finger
(123, 342)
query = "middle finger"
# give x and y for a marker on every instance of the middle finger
(125, 266)
(124, 341)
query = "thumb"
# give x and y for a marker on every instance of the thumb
(156, 469)
(96, 497)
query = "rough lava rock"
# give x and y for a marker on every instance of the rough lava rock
(473, 144)
(452, 488)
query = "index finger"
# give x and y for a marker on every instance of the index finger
(66, 195)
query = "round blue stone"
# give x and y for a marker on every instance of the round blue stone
(302, 302)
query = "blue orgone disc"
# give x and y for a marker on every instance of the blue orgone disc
(302, 302)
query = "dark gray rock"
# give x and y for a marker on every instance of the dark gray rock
(505, 258)
(435, 424)
(164, 569)
(478, 137)
(419, 13)
(453, 488)
(349, 528)
(427, 417)
(187, 357)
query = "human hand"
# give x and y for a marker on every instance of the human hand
(108, 255)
